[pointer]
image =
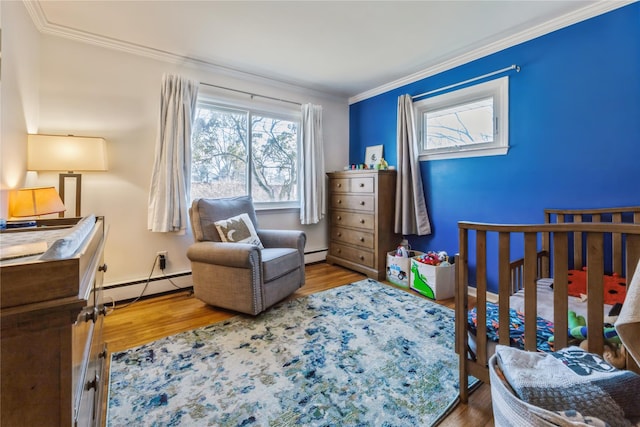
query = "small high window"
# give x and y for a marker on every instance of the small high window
(469, 122)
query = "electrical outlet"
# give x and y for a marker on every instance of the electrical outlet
(162, 255)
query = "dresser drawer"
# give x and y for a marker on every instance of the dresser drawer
(354, 237)
(362, 185)
(353, 219)
(339, 185)
(355, 202)
(348, 253)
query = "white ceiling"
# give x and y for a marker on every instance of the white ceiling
(343, 47)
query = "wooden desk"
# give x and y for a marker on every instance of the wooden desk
(51, 345)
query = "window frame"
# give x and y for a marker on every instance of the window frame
(262, 109)
(497, 89)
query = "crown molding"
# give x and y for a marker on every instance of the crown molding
(39, 19)
(555, 24)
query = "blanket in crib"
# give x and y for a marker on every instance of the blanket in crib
(516, 327)
(572, 379)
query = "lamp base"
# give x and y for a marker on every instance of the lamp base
(78, 183)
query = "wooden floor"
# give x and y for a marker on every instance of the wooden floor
(161, 316)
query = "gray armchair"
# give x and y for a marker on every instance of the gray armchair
(242, 276)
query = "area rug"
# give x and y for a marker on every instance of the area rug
(363, 354)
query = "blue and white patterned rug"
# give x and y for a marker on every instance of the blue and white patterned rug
(364, 354)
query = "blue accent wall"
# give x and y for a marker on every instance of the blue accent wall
(574, 138)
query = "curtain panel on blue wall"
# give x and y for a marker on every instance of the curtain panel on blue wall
(411, 208)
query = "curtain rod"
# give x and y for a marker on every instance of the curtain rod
(512, 67)
(251, 94)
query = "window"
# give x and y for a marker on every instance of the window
(469, 122)
(240, 151)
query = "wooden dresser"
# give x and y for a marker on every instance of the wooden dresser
(53, 356)
(361, 215)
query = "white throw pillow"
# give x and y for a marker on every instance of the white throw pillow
(238, 229)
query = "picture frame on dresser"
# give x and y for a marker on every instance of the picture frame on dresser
(373, 154)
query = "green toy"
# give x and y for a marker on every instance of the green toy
(578, 329)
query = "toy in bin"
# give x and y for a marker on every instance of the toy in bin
(432, 275)
(434, 258)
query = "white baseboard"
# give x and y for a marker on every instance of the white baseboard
(315, 256)
(491, 297)
(157, 285)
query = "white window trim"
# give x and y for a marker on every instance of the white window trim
(498, 88)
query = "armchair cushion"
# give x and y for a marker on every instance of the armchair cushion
(238, 229)
(277, 262)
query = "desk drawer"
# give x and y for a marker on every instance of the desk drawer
(353, 219)
(355, 202)
(348, 253)
(354, 237)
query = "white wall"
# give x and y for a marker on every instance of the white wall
(18, 95)
(96, 91)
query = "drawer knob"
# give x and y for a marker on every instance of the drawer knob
(362, 203)
(103, 267)
(362, 221)
(339, 185)
(339, 218)
(362, 239)
(361, 258)
(339, 251)
(93, 384)
(361, 184)
(339, 234)
(339, 202)
(103, 310)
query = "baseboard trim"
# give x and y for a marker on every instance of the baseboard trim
(173, 282)
(315, 256)
(491, 297)
(142, 288)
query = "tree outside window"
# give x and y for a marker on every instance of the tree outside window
(231, 158)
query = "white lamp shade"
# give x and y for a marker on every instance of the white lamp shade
(35, 202)
(66, 153)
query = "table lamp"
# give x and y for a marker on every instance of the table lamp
(67, 153)
(30, 202)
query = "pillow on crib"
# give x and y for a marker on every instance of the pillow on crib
(615, 287)
(572, 379)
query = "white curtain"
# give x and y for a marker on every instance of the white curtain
(313, 207)
(411, 208)
(170, 179)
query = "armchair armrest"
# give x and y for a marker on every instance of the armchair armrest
(241, 255)
(283, 239)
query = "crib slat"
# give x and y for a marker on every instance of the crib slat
(481, 295)
(560, 281)
(461, 310)
(577, 246)
(504, 251)
(616, 245)
(546, 247)
(633, 254)
(530, 294)
(595, 291)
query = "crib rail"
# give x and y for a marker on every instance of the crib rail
(594, 234)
